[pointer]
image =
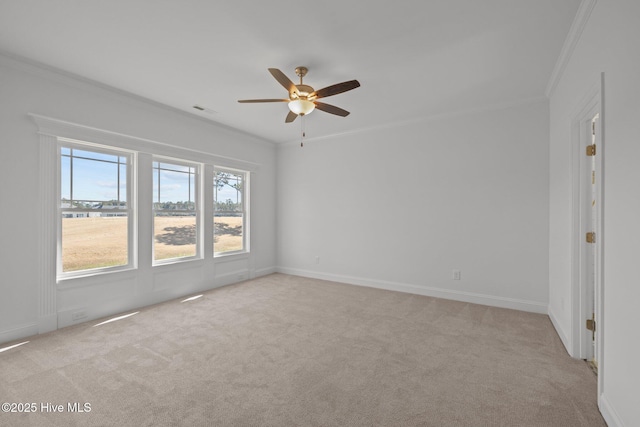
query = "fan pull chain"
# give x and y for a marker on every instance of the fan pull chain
(302, 131)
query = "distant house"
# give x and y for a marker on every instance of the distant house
(100, 214)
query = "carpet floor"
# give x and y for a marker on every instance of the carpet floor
(283, 350)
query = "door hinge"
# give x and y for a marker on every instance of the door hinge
(591, 150)
(591, 237)
(591, 325)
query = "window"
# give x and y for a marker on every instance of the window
(95, 230)
(175, 210)
(230, 216)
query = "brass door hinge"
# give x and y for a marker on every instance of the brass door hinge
(591, 150)
(591, 237)
(591, 323)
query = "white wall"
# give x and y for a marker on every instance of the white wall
(25, 89)
(609, 44)
(401, 207)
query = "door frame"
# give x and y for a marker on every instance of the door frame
(582, 292)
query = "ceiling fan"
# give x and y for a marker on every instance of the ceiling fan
(302, 98)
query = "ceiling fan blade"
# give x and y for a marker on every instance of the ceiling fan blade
(242, 101)
(328, 108)
(283, 80)
(290, 117)
(335, 89)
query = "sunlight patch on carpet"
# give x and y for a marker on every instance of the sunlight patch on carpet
(12, 346)
(192, 298)
(116, 318)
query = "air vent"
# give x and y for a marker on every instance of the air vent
(204, 109)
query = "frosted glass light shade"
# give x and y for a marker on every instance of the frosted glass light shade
(301, 106)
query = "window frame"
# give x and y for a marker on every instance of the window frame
(197, 196)
(245, 210)
(131, 208)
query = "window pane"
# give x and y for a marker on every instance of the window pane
(94, 218)
(175, 211)
(172, 188)
(227, 233)
(228, 220)
(92, 180)
(93, 155)
(93, 241)
(65, 178)
(174, 235)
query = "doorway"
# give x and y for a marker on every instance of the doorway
(591, 238)
(588, 237)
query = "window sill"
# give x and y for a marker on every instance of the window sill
(230, 256)
(174, 262)
(82, 279)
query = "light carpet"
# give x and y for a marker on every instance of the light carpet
(289, 351)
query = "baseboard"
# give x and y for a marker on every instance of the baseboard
(493, 301)
(19, 332)
(231, 277)
(563, 337)
(264, 271)
(608, 413)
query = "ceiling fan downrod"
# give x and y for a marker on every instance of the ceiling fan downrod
(301, 72)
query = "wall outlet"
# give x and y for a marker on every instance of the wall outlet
(456, 274)
(317, 260)
(78, 315)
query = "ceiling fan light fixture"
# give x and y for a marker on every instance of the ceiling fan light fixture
(301, 107)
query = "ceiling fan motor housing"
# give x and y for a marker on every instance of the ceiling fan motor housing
(303, 92)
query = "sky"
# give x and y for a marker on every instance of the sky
(95, 176)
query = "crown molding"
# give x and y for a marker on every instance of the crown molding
(425, 119)
(570, 43)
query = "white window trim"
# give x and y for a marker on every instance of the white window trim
(245, 211)
(131, 209)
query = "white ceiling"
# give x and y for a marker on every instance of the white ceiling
(413, 59)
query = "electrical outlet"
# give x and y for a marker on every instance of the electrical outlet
(317, 260)
(456, 274)
(78, 315)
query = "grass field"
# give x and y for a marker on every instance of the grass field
(101, 242)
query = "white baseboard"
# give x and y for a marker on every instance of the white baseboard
(18, 332)
(512, 303)
(608, 413)
(231, 277)
(264, 271)
(563, 337)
